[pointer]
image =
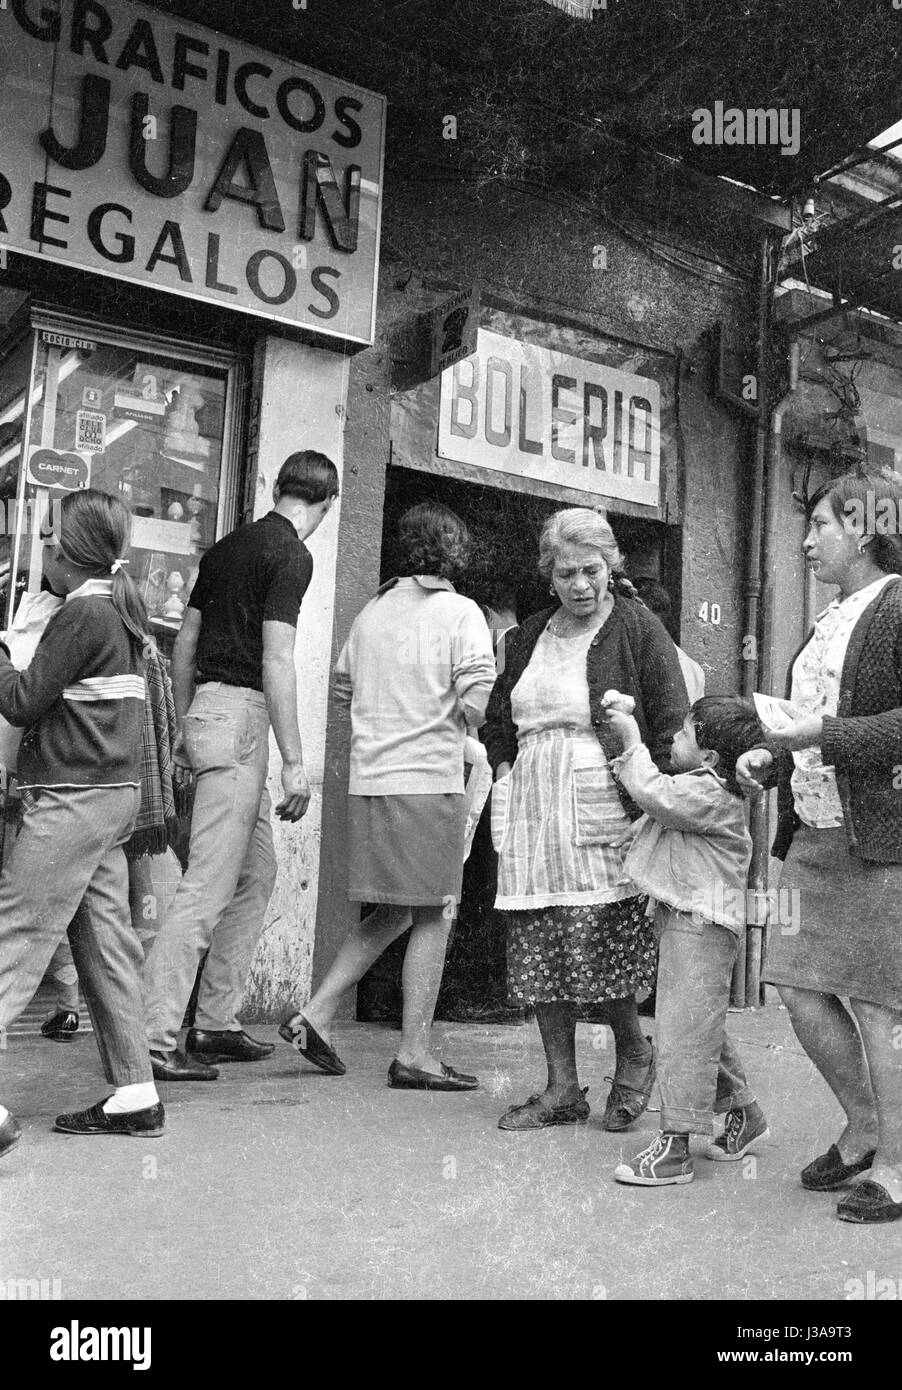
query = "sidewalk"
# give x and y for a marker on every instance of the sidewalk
(279, 1182)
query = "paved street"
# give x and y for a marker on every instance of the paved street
(278, 1182)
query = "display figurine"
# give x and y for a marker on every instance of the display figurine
(182, 434)
(195, 507)
(174, 607)
(175, 511)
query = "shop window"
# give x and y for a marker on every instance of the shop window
(148, 426)
(15, 369)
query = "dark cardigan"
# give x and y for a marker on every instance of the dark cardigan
(631, 652)
(863, 741)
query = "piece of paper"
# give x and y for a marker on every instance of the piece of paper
(775, 714)
(152, 533)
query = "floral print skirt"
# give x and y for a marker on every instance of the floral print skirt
(581, 955)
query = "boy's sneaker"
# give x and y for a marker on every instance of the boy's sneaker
(740, 1132)
(665, 1161)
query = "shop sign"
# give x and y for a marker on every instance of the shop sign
(519, 408)
(453, 326)
(55, 468)
(64, 340)
(146, 148)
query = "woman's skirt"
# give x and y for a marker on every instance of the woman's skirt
(838, 927)
(406, 849)
(581, 954)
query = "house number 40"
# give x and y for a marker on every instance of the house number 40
(710, 613)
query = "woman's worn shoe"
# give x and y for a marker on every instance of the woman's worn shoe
(868, 1202)
(404, 1078)
(62, 1026)
(826, 1173)
(626, 1103)
(304, 1039)
(535, 1114)
(666, 1161)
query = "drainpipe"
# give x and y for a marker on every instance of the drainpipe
(758, 874)
(747, 971)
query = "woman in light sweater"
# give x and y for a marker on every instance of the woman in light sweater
(417, 669)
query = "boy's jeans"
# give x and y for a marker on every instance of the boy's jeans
(222, 899)
(700, 1073)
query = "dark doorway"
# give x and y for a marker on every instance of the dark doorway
(505, 527)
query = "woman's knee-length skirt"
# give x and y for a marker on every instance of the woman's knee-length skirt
(837, 928)
(406, 849)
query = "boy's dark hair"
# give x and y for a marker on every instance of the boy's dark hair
(654, 596)
(308, 475)
(728, 724)
(432, 540)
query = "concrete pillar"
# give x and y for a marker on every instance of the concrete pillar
(302, 393)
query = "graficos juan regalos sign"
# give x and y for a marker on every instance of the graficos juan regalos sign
(137, 145)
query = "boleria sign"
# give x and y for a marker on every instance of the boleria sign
(140, 146)
(533, 412)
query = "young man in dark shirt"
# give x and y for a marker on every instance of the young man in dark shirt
(233, 676)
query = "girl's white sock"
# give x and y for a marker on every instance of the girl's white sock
(128, 1099)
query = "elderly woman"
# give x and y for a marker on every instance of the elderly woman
(840, 820)
(417, 669)
(578, 930)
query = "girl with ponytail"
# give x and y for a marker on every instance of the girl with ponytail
(81, 703)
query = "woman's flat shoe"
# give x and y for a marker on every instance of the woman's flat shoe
(826, 1173)
(626, 1103)
(535, 1114)
(403, 1078)
(868, 1202)
(304, 1039)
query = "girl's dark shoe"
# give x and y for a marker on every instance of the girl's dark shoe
(535, 1114)
(147, 1124)
(868, 1202)
(826, 1173)
(62, 1027)
(626, 1103)
(10, 1134)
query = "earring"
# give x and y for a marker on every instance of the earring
(552, 591)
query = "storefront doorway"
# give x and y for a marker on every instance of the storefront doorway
(502, 577)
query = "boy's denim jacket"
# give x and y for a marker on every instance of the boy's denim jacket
(692, 848)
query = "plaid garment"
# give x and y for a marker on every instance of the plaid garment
(157, 825)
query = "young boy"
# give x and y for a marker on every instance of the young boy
(691, 854)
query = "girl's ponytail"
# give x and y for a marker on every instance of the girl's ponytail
(95, 531)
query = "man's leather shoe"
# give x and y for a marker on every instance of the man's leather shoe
(61, 1027)
(173, 1066)
(148, 1124)
(403, 1078)
(10, 1134)
(234, 1046)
